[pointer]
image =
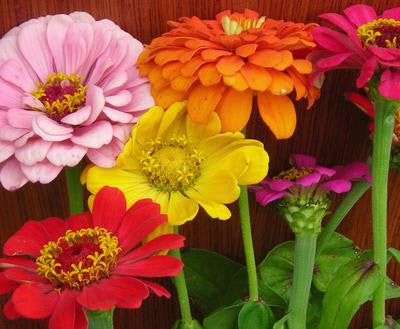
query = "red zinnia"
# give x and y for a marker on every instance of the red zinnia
(58, 268)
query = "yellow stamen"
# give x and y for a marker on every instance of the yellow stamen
(232, 26)
(369, 32)
(293, 173)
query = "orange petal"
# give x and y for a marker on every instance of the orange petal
(229, 65)
(234, 109)
(246, 50)
(156, 79)
(287, 60)
(145, 69)
(182, 83)
(171, 70)
(257, 77)
(299, 86)
(190, 68)
(236, 81)
(302, 66)
(278, 114)
(281, 84)
(167, 96)
(203, 101)
(213, 54)
(168, 55)
(266, 58)
(209, 75)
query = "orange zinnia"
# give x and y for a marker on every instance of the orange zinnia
(219, 64)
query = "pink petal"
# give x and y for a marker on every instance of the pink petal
(32, 40)
(6, 150)
(78, 117)
(102, 66)
(309, 180)
(390, 84)
(33, 151)
(332, 61)
(303, 161)
(66, 154)
(392, 13)
(342, 22)
(117, 116)
(265, 197)
(360, 14)
(11, 175)
(105, 156)
(93, 136)
(122, 131)
(94, 98)
(10, 96)
(31, 102)
(333, 41)
(141, 99)
(337, 186)
(114, 81)
(329, 172)
(385, 54)
(10, 134)
(23, 139)
(367, 71)
(82, 17)
(42, 172)
(13, 72)
(121, 99)
(50, 130)
(19, 118)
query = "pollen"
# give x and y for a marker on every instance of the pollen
(171, 165)
(293, 173)
(79, 258)
(382, 32)
(236, 25)
(61, 94)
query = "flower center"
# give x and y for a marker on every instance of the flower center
(61, 94)
(172, 165)
(382, 32)
(78, 258)
(293, 173)
(235, 25)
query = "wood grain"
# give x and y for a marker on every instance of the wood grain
(333, 130)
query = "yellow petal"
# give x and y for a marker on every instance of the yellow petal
(212, 146)
(234, 109)
(203, 101)
(278, 113)
(173, 122)
(236, 81)
(281, 83)
(181, 209)
(196, 133)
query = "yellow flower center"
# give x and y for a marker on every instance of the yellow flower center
(171, 165)
(293, 173)
(382, 32)
(234, 26)
(61, 94)
(78, 258)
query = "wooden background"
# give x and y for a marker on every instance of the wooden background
(333, 130)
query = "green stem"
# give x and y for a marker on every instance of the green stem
(304, 258)
(340, 213)
(248, 243)
(75, 191)
(384, 123)
(100, 319)
(181, 288)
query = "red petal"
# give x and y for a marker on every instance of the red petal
(55, 228)
(23, 276)
(20, 262)
(10, 312)
(79, 221)
(163, 242)
(160, 291)
(34, 301)
(155, 266)
(68, 314)
(108, 209)
(96, 297)
(6, 285)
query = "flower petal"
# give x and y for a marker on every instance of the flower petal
(278, 114)
(367, 71)
(181, 209)
(9, 311)
(43, 172)
(209, 75)
(11, 175)
(78, 117)
(390, 84)
(265, 197)
(79, 221)
(66, 154)
(281, 83)
(360, 14)
(257, 77)
(303, 161)
(49, 130)
(196, 133)
(94, 136)
(337, 185)
(229, 65)
(33, 151)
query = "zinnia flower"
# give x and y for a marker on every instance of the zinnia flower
(303, 190)
(219, 64)
(366, 41)
(181, 165)
(60, 268)
(68, 87)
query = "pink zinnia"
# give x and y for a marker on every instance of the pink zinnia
(68, 87)
(366, 41)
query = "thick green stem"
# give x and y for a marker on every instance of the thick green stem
(304, 258)
(384, 123)
(340, 213)
(100, 319)
(74, 187)
(248, 243)
(181, 288)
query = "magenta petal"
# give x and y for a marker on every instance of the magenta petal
(332, 61)
(367, 71)
(265, 197)
(309, 180)
(331, 40)
(360, 14)
(385, 54)
(303, 161)
(278, 185)
(325, 171)
(342, 22)
(390, 84)
(337, 185)
(354, 171)
(392, 13)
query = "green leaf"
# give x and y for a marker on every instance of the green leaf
(314, 308)
(254, 315)
(282, 323)
(353, 285)
(394, 253)
(208, 275)
(224, 318)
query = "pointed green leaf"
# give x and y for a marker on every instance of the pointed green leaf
(224, 318)
(395, 253)
(254, 315)
(282, 323)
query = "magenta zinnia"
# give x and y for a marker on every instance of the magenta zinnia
(60, 268)
(364, 41)
(68, 87)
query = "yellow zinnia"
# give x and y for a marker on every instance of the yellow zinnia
(181, 165)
